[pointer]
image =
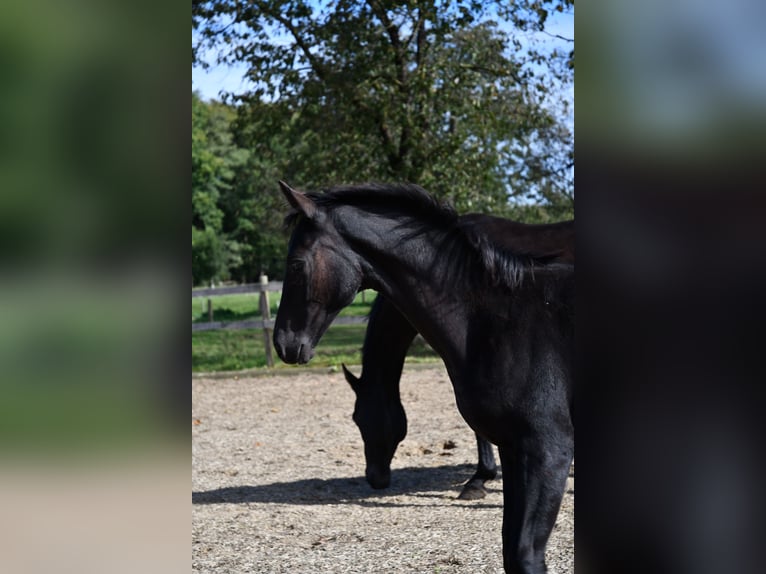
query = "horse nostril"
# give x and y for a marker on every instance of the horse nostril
(279, 345)
(293, 347)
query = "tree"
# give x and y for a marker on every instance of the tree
(429, 92)
(253, 206)
(214, 161)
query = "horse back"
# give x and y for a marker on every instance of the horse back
(552, 242)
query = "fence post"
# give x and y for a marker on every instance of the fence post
(265, 315)
(210, 307)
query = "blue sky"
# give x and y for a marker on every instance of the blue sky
(209, 83)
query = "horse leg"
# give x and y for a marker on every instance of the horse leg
(534, 477)
(486, 470)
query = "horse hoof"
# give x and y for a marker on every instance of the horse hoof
(472, 492)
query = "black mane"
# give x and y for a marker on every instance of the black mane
(463, 244)
(406, 200)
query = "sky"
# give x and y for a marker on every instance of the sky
(209, 83)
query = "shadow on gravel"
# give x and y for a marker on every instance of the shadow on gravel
(441, 482)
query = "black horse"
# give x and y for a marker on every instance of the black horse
(378, 411)
(495, 301)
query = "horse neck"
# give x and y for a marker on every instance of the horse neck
(410, 271)
(386, 342)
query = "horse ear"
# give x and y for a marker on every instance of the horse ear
(352, 379)
(298, 200)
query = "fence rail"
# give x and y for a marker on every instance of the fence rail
(236, 289)
(265, 322)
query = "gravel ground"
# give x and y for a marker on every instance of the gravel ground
(278, 483)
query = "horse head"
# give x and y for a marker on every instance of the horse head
(322, 277)
(383, 424)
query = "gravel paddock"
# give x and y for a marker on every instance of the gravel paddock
(278, 483)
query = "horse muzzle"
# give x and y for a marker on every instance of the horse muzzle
(378, 477)
(293, 348)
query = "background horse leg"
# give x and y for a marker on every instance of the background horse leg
(534, 478)
(486, 470)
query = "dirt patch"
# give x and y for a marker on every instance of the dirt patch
(278, 483)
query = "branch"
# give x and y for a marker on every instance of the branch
(421, 41)
(315, 64)
(559, 36)
(393, 36)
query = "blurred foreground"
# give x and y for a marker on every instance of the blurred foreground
(93, 147)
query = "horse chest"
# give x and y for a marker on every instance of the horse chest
(485, 408)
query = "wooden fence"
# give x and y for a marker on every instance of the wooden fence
(265, 322)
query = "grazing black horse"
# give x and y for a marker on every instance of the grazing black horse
(378, 411)
(495, 301)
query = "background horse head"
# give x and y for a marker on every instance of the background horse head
(383, 424)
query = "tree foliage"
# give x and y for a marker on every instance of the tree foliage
(236, 226)
(435, 93)
(215, 160)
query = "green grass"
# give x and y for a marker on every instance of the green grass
(225, 350)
